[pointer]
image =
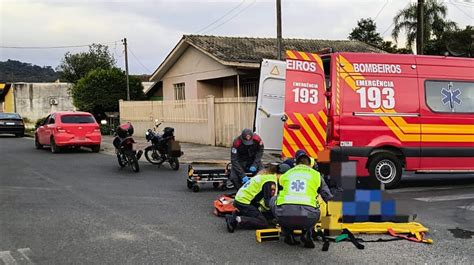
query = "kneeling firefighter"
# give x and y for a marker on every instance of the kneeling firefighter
(296, 206)
(246, 156)
(254, 194)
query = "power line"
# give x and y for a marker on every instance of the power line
(461, 3)
(380, 11)
(393, 22)
(52, 47)
(232, 17)
(462, 11)
(219, 19)
(138, 60)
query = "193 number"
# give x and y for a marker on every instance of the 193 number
(305, 95)
(374, 97)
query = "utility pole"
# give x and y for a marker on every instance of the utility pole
(419, 27)
(279, 46)
(126, 67)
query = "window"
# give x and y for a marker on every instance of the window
(179, 91)
(450, 96)
(77, 119)
(249, 88)
(51, 119)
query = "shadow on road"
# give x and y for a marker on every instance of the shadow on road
(436, 180)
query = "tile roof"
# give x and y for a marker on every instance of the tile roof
(252, 50)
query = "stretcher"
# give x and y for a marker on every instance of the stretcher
(411, 228)
(217, 177)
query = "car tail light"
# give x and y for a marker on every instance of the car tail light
(60, 130)
(97, 129)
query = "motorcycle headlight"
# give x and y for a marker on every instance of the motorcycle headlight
(147, 133)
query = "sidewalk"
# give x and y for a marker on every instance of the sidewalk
(193, 153)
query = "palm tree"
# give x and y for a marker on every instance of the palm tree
(435, 22)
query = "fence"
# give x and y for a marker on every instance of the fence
(205, 121)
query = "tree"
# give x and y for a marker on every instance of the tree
(435, 22)
(366, 32)
(16, 71)
(455, 43)
(101, 89)
(76, 66)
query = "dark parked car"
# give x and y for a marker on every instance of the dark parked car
(12, 123)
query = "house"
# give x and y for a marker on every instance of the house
(199, 66)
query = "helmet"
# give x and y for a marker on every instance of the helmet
(300, 153)
(283, 167)
(244, 135)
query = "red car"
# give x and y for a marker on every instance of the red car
(68, 129)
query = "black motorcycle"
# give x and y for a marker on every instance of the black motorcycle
(125, 147)
(163, 147)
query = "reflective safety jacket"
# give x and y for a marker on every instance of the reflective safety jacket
(249, 191)
(299, 186)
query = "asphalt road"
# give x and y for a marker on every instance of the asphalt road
(79, 207)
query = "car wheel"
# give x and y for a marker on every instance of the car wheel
(95, 148)
(387, 168)
(37, 144)
(54, 148)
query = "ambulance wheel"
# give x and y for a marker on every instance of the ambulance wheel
(387, 168)
(215, 185)
(195, 188)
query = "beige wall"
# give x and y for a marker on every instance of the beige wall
(193, 65)
(32, 100)
(230, 87)
(210, 88)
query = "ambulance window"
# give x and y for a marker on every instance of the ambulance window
(450, 96)
(327, 72)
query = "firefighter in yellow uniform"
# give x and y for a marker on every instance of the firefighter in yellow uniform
(296, 206)
(254, 194)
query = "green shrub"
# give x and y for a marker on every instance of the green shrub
(39, 122)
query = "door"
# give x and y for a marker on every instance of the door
(48, 129)
(41, 130)
(305, 104)
(270, 104)
(447, 125)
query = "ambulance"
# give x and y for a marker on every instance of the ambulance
(387, 112)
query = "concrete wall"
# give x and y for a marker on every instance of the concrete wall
(192, 66)
(33, 100)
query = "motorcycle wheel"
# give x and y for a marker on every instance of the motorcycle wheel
(153, 156)
(132, 159)
(174, 163)
(120, 161)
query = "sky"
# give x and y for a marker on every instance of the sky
(153, 28)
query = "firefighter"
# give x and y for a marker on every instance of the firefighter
(296, 206)
(254, 194)
(246, 157)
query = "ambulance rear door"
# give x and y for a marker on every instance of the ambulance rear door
(305, 104)
(270, 104)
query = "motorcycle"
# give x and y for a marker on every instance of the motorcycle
(125, 147)
(163, 147)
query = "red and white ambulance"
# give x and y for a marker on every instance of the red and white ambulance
(388, 112)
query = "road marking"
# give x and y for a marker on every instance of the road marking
(25, 252)
(469, 207)
(28, 188)
(7, 258)
(402, 190)
(446, 198)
